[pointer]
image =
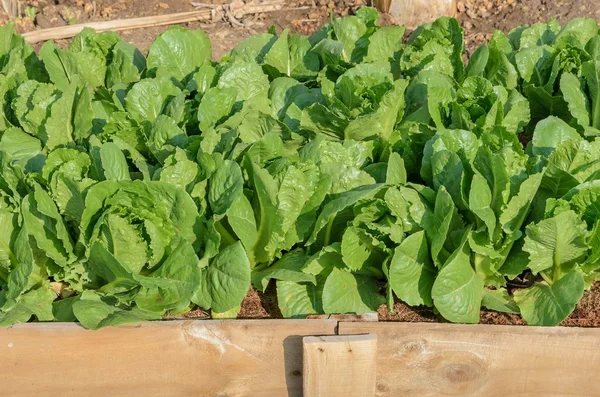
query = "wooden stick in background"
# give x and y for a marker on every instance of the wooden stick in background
(64, 32)
(412, 13)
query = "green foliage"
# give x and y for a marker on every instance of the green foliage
(348, 168)
(31, 12)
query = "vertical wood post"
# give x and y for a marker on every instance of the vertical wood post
(412, 13)
(340, 366)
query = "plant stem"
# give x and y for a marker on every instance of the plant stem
(226, 237)
(328, 231)
(3, 275)
(546, 278)
(390, 298)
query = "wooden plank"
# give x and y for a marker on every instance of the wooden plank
(63, 32)
(173, 358)
(346, 317)
(340, 366)
(264, 358)
(483, 360)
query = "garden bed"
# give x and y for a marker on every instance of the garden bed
(334, 173)
(66, 258)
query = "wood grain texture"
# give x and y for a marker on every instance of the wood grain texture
(63, 32)
(175, 358)
(483, 360)
(264, 358)
(340, 366)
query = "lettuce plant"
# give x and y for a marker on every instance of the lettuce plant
(349, 168)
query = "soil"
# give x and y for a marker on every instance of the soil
(258, 305)
(479, 19)
(301, 16)
(586, 313)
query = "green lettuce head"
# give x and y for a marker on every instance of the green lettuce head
(138, 240)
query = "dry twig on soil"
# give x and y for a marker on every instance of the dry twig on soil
(207, 15)
(12, 8)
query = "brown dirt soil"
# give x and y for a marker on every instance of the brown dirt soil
(252, 306)
(301, 16)
(479, 18)
(260, 304)
(586, 314)
(403, 312)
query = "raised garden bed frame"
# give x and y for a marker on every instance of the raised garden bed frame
(276, 358)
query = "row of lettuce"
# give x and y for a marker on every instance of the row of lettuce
(348, 168)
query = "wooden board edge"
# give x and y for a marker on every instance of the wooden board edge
(172, 324)
(338, 338)
(348, 328)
